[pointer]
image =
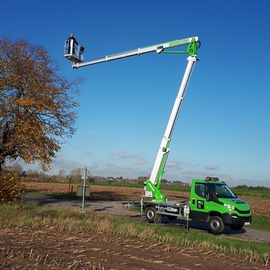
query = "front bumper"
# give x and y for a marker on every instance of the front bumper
(233, 219)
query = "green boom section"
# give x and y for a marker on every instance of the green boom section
(192, 49)
(157, 194)
(171, 44)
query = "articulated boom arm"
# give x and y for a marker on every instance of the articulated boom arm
(77, 57)
(74, 53)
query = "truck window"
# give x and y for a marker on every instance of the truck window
(201, 189)
(222, 191)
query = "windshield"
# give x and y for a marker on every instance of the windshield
(222, 191)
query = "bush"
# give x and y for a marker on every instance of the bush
(10, 187)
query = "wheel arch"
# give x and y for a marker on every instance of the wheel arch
(148, 204)
(213, 213)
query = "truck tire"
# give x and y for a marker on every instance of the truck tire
(151, 214)
(216, 225)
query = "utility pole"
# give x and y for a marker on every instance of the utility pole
(83, 191)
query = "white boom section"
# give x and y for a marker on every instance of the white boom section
(154, 48)
(168, 132)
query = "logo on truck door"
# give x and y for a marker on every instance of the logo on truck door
(201, 190)
(200, 204)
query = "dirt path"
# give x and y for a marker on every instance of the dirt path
(29, 249)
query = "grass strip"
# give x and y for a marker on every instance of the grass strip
(33, 216)
(260, 223)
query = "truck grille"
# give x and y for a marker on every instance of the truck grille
(243, 212)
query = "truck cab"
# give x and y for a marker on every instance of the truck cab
(212, 201)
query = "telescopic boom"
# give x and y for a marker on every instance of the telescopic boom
(152, 185)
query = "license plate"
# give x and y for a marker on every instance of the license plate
(247, 223)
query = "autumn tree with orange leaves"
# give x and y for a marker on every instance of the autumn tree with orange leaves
(37, 104)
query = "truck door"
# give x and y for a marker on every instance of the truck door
(199, 204)
(200, 190)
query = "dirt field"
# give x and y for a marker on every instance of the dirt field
(29, 249)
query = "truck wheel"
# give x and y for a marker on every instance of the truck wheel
(216, 224)
(150, 213)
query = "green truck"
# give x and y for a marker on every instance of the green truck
(211, 201)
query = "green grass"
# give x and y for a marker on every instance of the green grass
(33, 216)
(35, 194)
(260, 223)
(95, 196)
(260, 193)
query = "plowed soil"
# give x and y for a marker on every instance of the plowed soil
(28, 249)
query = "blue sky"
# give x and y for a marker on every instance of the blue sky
(223, 127)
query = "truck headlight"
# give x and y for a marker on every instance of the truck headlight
(230, 207)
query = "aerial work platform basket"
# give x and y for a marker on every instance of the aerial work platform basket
(73, 51)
